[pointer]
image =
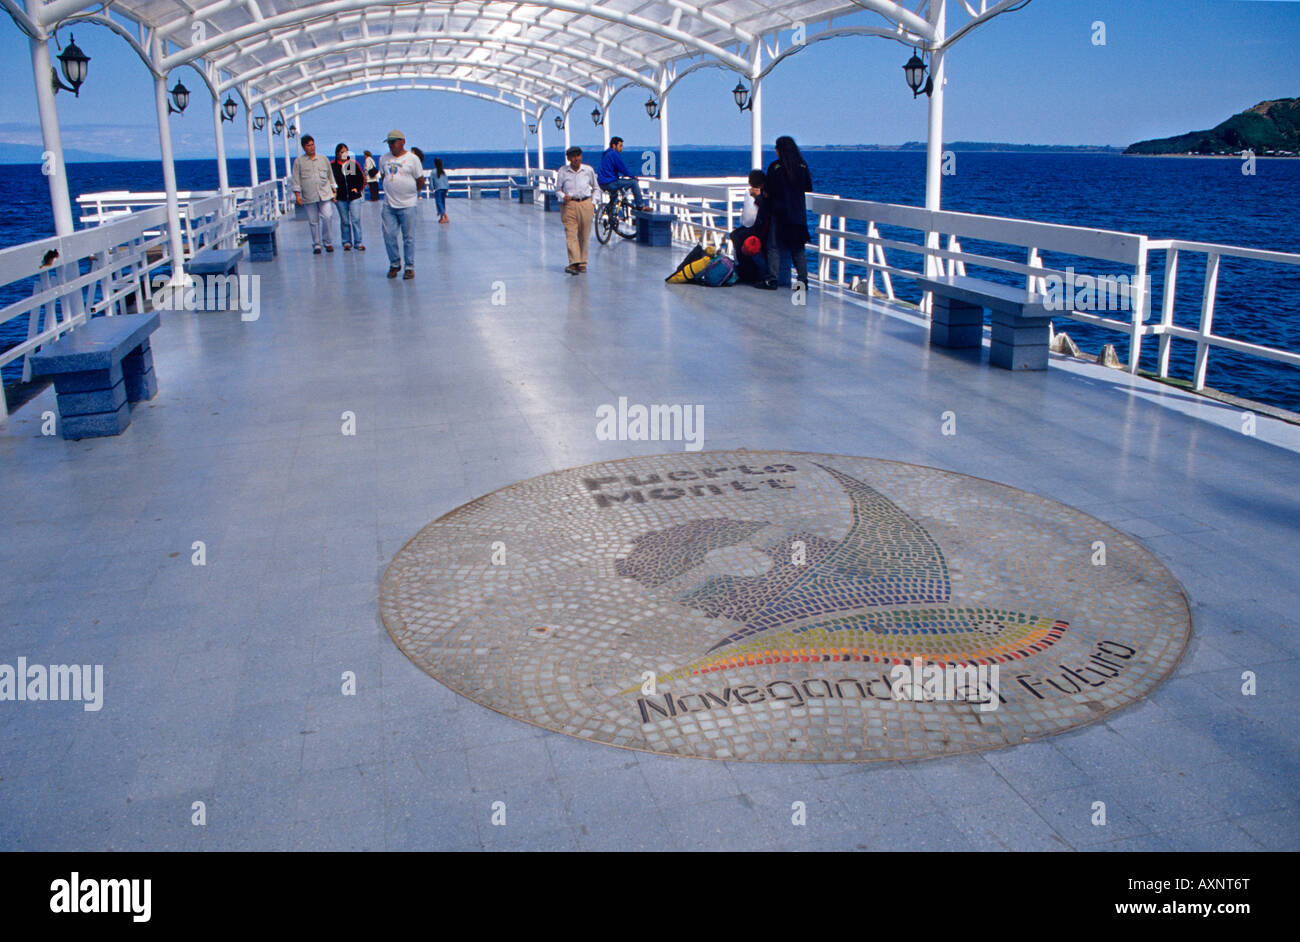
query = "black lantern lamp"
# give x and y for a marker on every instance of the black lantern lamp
(652, 108)
(741, 94)
(532, 129)
(278, 127)
(559, 121)
(259, 122)
(181, 96)
(75, 64)
(596, 117)
(293, 130)
(914, 70)
(228, 109)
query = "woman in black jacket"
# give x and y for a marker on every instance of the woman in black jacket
(350, 181)
(788, 179)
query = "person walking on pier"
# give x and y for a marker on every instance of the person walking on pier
(403, 174)
(576, 184)
(372, 176)
(788, 179)
(441, 184)
(313, 188)
(348, 182)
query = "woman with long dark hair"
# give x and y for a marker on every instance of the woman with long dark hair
(788, 179)
(441, 184)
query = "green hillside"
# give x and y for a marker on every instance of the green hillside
(1269, 127)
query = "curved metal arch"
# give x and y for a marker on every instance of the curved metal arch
(360, 92)
(535, 78)
(358, 76)
(838, 32)
(286, 61)
(343, 22)
(328, 10)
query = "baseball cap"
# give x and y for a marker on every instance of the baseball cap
(395, 135)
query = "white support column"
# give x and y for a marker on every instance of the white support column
(604, 124)
(756, 127)
(223, 177)
(252, 145)
(284, 139)
(168, 167)
(567, 142)
(541, 152)
(523, 124)
(51, 139)
(663, 136)
(270, 148)
(934, 138)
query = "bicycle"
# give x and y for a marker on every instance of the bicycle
(615, 215)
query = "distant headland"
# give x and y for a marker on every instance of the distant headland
(1270, 129)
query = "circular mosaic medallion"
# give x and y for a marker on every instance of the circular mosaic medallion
(784, 606)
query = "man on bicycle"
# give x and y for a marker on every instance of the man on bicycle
(613, 174)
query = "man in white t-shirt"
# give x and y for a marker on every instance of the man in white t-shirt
(403, 175)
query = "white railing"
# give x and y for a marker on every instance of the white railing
(259, 203)
(103, 270)
(852, 253)
(99, 208)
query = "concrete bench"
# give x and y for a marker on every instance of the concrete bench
(503, 192)
(527, 194)
(215, 261)
(261, 240)
(476, 190)
(551, 201)
(99, 369)
(1021, 322)
(654, 229)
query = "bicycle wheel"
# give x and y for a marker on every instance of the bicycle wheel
(602, 223)
(625, 216)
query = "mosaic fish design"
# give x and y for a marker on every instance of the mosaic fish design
(887, 572)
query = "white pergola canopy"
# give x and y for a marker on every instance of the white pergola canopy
(282, 54)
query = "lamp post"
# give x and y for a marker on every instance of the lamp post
(75, 65)
(278, 127)
(293, 130)
(228, 109)
(652, 108)
(559, 122)
(917, 81)
(596, 117)
(741, 94)
(181, 96)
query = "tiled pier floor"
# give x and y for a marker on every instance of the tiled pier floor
(222, 683)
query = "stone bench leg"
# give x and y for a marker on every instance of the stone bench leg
(137, 373)
(1019, 343)
(92, 403)
(955, 324)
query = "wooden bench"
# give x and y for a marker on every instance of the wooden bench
(215, 261)
(99, 369)
(654, 228)
(527, 194)
(261, 240)
(1021, 321)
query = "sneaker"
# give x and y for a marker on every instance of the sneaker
(768, 285)
(408, 274)
(329, 248)
(347, 247)
(582, 269)
(392, 272)
(315, 250)
(361, 248)
(571, 269)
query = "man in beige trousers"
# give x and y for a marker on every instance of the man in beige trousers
(576, 185)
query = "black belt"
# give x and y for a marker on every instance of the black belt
(578, 199)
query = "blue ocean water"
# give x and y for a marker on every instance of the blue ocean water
(1198, 199)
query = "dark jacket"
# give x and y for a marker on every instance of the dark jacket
(786, 188)
(746, 270)
(349, 179)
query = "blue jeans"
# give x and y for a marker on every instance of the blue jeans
(624, 183)
(390, 219)
(350, 222)
(780, 258)
(440, 200)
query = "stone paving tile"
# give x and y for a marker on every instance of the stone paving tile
(508, 764)
(1071, 813)
(533, 811)
(428, 806)
(1218, 837)
(734, 822)
(340, 809)
(1009, 824)
(1274, 830)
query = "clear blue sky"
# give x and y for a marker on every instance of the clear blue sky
(1032, 76)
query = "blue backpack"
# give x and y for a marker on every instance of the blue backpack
(719, 273)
